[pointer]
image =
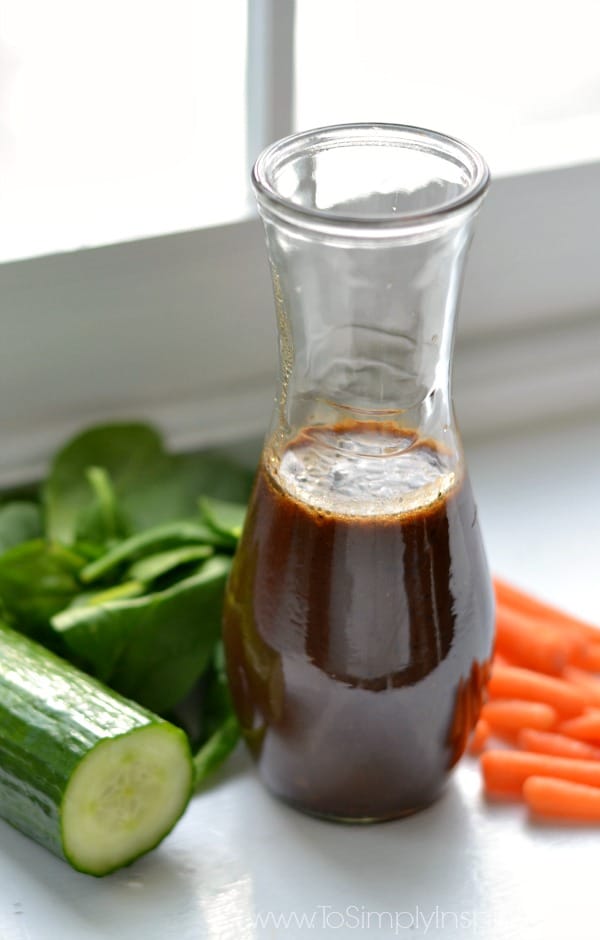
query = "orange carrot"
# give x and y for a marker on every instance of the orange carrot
(509, 596)
(586, 656)
(562, 799)
(530, 643)
(585, 727)
(543, 678)
(504, 772)
(589, 685)
(546, 742)
(511, 714)
(500, 659)
(515, 682)
(481, 733)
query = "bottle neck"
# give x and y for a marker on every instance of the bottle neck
(366, 326)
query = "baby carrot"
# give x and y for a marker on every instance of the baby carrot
(504, 772)
(585, 727)
(589, 685)
(500, 659)
(519, 683)
(546, 742)
(562, 799)
(511, 715)
(529, 643)
(481, 733)
(586, 656)
(509, 596)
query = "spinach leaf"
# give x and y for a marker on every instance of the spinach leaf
(155, 566)
(20, 521)
(173, 493)
(216, 700)
(220, 730)
(37, 579)
(129, 454)
(150, 486)
(116, 593)
(222, 517)
(160, 538)
(153, 648)
(102, 521)
(216, 749)
(88, 550)
(212, 474)
(121, 516)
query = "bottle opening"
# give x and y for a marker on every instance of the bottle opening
(382, 175)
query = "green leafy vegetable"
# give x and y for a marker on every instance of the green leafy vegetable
(220, 727)
(155, 566)
(121, 566)
(189, 476)
(129, 453)
(218, 747)
(222, 517)
(20, 521)
(102, 522)
(217, 699)
(37, 579)
(160, 538)
(118, 592)
(150, 486)
(152, 648)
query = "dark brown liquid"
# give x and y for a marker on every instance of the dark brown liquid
(357, 646)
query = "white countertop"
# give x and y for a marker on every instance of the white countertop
(461, 868)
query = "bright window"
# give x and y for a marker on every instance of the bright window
(119, 120)
(520, 80)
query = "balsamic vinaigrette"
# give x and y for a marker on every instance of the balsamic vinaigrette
(358, 621)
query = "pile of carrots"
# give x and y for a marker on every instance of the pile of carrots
(544, 702)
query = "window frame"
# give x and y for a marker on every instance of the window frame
(179, 329)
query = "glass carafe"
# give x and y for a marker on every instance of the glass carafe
(358, 616)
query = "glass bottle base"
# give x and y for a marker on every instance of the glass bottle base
(359, 820)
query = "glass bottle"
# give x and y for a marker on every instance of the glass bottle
(358, 615)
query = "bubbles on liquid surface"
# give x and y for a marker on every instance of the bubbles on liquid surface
(364, 473)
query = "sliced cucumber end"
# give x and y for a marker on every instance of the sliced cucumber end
(124, 796)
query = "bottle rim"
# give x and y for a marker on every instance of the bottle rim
(281, 153)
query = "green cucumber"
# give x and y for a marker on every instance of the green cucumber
(93, 777)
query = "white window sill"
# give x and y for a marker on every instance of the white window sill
(180, 330)
(539, 506)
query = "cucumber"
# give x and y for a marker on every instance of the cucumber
(93, 777)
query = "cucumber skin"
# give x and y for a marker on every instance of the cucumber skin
(51, 716)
